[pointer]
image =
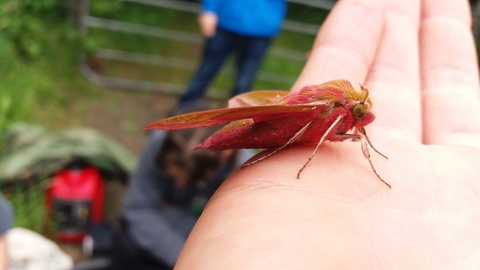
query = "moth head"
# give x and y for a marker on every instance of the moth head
(362, 107)
(359, 111)
(362, 114)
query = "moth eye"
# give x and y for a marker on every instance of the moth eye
(359, 111)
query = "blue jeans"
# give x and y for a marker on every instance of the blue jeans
(249, 52)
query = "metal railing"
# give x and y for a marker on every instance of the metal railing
(87, 21)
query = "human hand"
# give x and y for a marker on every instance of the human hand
(418, 59)
(208, 23)
(4, 256)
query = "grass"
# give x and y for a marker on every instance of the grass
(41, 89)
(28, 200)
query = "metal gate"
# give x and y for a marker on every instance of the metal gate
(87, 21)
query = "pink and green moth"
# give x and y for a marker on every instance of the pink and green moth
(276, 119)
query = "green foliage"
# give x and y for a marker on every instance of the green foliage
(28, 33)
(15, 94)
(306, 14)
(38, 48)
(28, 203)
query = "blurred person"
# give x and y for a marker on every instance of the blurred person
(168, 191)
(244, 28)
(6, 217)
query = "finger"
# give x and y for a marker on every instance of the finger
(394, 77)
(346, 44)
(449, 74)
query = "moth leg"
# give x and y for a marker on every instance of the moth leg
(324, 136)
(365, 150)
(362, 130)
(290, 141)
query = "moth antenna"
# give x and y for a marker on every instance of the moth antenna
(364, 133)
(367, 93)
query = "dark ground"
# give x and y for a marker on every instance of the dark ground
(122, 114)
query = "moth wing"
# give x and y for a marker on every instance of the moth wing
(256, 98)
(219, 116)
(247, 133)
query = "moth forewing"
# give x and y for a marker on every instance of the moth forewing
(290, 141)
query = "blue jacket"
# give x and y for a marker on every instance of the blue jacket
(248, 17)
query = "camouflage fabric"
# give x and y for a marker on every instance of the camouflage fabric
(31, 151)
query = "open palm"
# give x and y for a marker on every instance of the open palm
(418, 59)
